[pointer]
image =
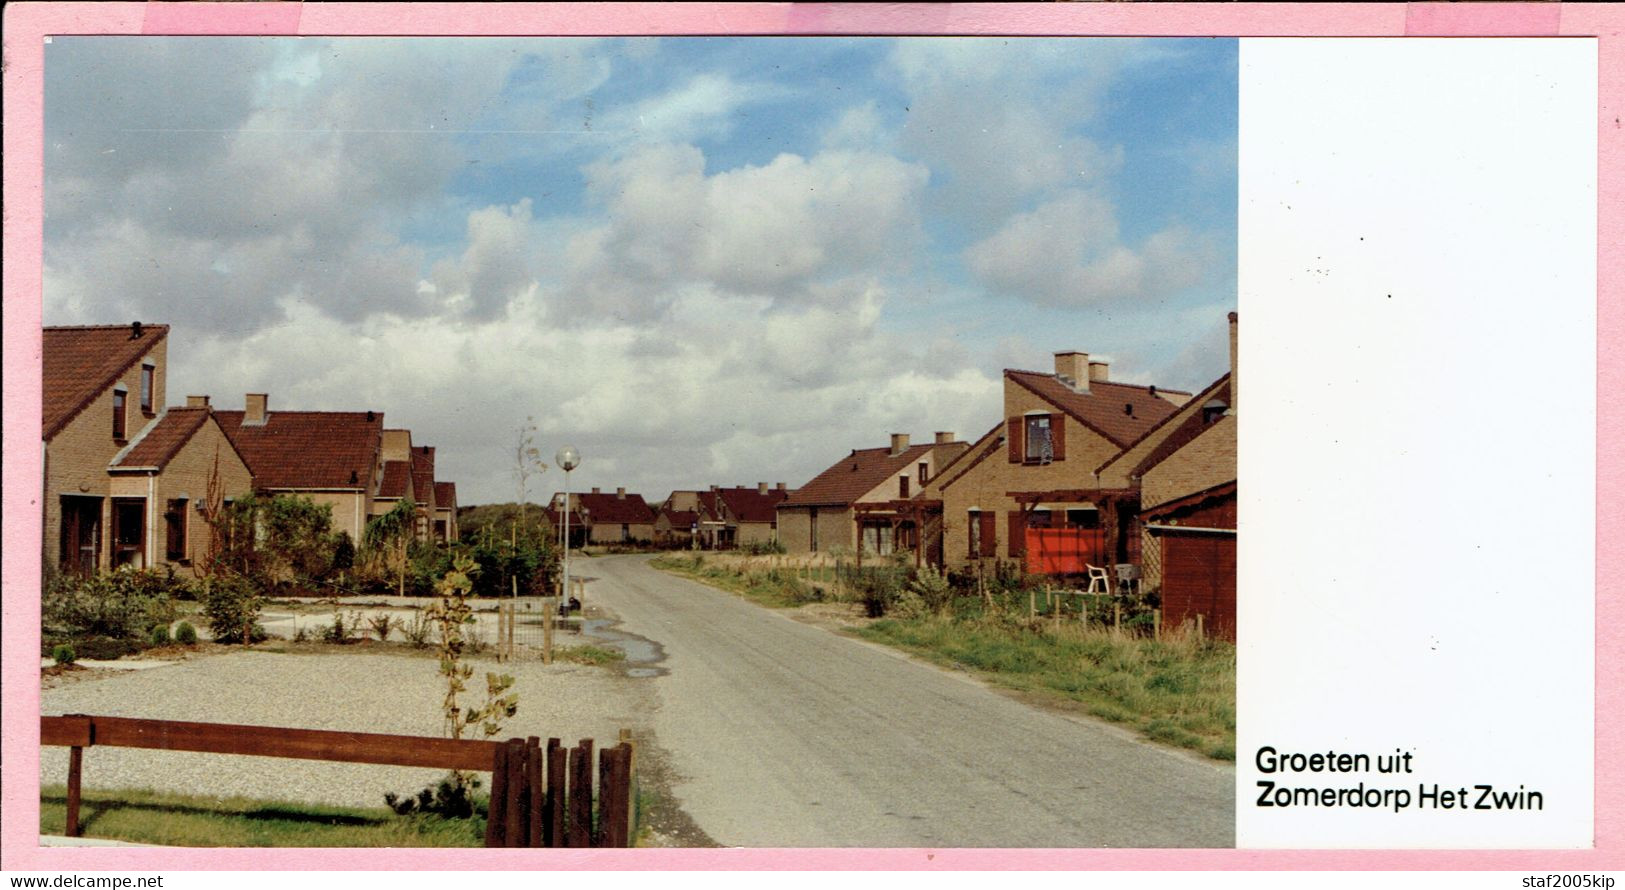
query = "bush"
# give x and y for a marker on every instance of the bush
(64, 654)
(381, 625)
(762, 548)
(450, 799)
(186, 634)
(122, 605)
(416, 629)
(231, 604)
(160, 635)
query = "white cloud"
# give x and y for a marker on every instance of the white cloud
(1067, 252)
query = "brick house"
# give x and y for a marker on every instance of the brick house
(754, 512)
(611, 518)
(101, 386)
(1027, 491)
(164, 477)
(331, 457)
(866, 497)
(124, 474)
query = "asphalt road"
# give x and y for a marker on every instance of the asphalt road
(787, 735)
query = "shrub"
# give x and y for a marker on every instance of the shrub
(63, 654)
(381, 625)
(122, 605)
(160, 635)
(231, 604)
(417, 629)
(762, 548)
(451, 798)
(932, 589)
(186, 634)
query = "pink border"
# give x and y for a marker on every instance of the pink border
(27, 24)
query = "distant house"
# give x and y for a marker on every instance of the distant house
(611, 518)
(124, 474)
(865, 499)
(1026, 490)
(753, 512)
(331, 457)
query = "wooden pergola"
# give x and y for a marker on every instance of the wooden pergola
(898, 512)
(1113, 503)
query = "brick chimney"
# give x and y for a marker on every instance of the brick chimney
(197, 401)
(944, 437)
(595, 490)
(254, 405)
(1073, 369)
(1234, 386)
(761, 488)
(899, 443)
(1098, 371)
(780, 486)
(620, 493)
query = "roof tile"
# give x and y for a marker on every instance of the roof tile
(1121, 412)
(79, 363)
(308, 449)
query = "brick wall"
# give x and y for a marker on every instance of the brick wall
(1208, 460)
(835, 529)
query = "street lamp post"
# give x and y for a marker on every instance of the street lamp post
(568, 459)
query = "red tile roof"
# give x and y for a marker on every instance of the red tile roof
(445, 495)
(681, 519)
(161, 440)
(856, 475)
(611, 508)
(1102, 408)
(80, 363)
(750, 505)
(393, 485)
(308, 449)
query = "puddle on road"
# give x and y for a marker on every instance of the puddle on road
(641, 653)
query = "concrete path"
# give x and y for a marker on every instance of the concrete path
(783, 734)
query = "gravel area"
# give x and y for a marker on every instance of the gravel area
(364, 692)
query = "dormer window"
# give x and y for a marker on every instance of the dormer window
(925, 472)
(147, 371)
(119, 397)
(1040, 446)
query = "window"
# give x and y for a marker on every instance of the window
(1213, 411)
(1040, 449)
(1083, 518)
(974, 526)
(146, 388)
(925, 472)
(902, 486)
(175, 525)
(626, 532)
(812, 523)
(118, 413)
(81, 534)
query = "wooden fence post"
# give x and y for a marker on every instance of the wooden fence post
(1032, 605)
(513, 820)
(614, 794)
(1156, 624)
(580, 833)
(1199, 634)
(76, 757)
(557, 755)
(536, 795)
(631, 777)
(1117, 617)
(548, 608)
(496, 834)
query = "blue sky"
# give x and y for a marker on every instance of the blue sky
(705, 260)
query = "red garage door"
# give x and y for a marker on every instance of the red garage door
(1199, 578)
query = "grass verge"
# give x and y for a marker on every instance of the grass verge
(178, 820)
(1180, 690)
(774, 588)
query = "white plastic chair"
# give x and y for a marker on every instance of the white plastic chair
(1097, 576)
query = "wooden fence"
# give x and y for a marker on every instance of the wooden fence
(540, 796)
